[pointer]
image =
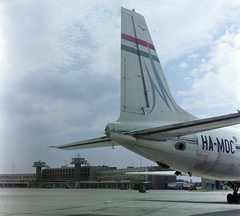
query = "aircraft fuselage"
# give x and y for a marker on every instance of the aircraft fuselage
(213, 154)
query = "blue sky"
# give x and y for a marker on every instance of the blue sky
(60, 71)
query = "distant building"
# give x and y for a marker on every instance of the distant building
(85, 176)
(155, 182)
(208, 184)
(65, 173)
(39, 165)
(94, 176)
(16, 180)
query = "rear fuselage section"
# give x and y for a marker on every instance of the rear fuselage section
(212, 154)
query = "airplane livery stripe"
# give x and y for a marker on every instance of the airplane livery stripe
(142, 53)
(139, 41)
(187, 140)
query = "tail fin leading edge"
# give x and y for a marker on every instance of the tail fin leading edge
(145, 94)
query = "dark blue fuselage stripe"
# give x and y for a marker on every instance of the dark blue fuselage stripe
(187, 140)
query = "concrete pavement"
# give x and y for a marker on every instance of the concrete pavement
(91, 202)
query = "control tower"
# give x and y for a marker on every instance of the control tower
(77, 171)
(38, 165)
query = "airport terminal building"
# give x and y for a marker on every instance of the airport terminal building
(82, 175)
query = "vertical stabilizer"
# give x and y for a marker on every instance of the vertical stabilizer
(145, 94)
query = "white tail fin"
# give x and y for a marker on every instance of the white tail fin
(145, 94)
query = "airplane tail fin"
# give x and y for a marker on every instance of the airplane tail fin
(145, 95)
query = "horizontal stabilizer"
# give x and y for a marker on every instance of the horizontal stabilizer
(157, 173)
(184, 128)
(91, 143)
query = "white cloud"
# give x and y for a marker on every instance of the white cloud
(218, 79)
(193, 56)
(183, 65)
